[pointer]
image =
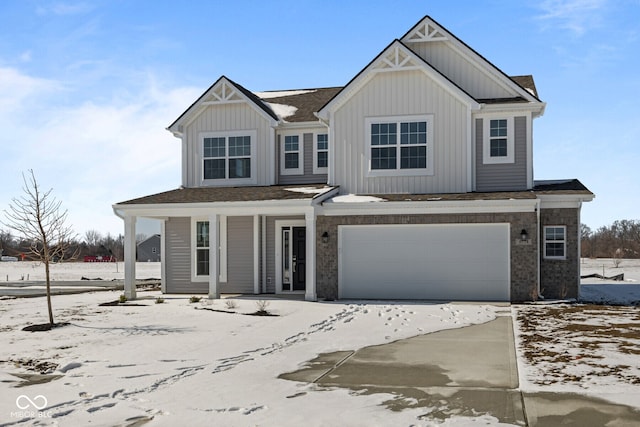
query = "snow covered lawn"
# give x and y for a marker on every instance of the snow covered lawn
(184, 363)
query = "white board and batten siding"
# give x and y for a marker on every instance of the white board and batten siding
(433, 262)
(403, 93)
(459, 69)
(227, 118)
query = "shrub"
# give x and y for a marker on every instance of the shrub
(123, 298)
(262, 306)
(194, 299)
(230, 304)
(159, 300)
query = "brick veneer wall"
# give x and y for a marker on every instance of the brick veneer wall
(560, 278)
(523, 256)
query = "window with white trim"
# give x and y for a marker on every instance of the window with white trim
(202, 248)
(555, 241)
(498, 140)
(321, 153)
(229, 156)
(400, 145)
(292, 158)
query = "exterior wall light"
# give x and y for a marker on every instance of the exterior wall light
(325, 237)
(524, 235)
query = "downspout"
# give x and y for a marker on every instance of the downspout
(264, 254)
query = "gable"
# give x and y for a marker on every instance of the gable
(223, 92)
(396, 57)
(463, 65)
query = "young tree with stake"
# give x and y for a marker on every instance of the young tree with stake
(37, 217)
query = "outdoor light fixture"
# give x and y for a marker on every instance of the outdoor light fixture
(325, 237)
(523, 235)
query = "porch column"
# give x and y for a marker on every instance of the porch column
(310, 278)
(256, 254)
(214, 249)
(163, 248)
(130, 257)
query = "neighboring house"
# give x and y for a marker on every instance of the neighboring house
(413, 181)
(148, 250)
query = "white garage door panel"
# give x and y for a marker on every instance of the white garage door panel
(452, 261)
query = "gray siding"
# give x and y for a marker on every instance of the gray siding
(308, 177)
(178, 258)
(239, 255)
(270, 262)
(506, 176)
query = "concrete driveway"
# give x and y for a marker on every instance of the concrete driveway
(465, 372)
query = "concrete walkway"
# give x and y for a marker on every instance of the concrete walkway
(465, 372)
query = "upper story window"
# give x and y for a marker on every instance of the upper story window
(498, 140)
(400, 146)
(555, 242)
(292, 158)
(229, 156)
(321, 153)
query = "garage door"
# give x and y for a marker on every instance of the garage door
(442, 262)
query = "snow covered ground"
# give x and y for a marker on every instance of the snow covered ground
(193, 364)
(31, 270)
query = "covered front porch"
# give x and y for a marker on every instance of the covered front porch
(247, 240)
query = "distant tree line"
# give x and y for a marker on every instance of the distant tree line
(618, 240)
(93, 243)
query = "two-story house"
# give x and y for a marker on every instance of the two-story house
(413, 181)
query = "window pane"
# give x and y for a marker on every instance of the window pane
(214, 147)
(322, 159)
(383, 158)
(498, 147)
(413, 157)
(323, 142)
(202, 262)
(498, 128)
(214, 169)
(239, 146)
(555, 249)
(202, 234)
(383, 134)
(413, 133)
(291, 143)
(240, 168)
(291, 160)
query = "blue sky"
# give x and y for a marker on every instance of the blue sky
(87, 88)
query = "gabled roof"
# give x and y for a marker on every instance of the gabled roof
(306, 102)
(560, 186)
(223, 90)
(428, 29)
(398, 56)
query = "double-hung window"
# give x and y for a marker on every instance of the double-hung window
(498, 140)
(555, 241)
(400, 146)
(229, 156)
(202, 248)
(321, 153)
(292, 159)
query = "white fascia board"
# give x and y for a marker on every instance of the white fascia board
(558, 201)
(429, 207)
(275, 207)
(312, 126)
(535, 108)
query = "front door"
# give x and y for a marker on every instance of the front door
(293, 258)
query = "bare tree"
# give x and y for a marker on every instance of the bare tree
(38, 218)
